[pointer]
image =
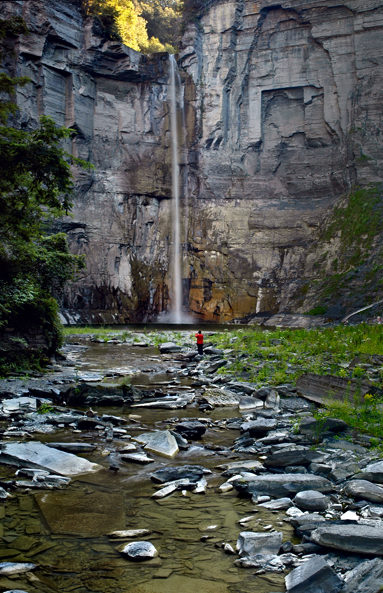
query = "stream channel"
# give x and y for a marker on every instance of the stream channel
(70, 540)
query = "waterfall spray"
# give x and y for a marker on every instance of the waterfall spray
(177, 277)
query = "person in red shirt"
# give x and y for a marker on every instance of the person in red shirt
(199, 337)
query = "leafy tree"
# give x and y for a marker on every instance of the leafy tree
(122, 20)
(35, 186)
(163, 19)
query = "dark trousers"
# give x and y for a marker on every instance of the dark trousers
(200, 348)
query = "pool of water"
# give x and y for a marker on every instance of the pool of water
(76, 556)
(66, 532)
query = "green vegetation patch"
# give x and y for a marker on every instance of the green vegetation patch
(357, 226)
(359, 221)
(282, 356)
(366, 418)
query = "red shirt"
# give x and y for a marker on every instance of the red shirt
(199, 338)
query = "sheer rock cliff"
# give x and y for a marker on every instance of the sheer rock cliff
(283, 114)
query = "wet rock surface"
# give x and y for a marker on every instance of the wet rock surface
(262, 491)
(139, 551)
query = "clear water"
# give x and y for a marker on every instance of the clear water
(74, 551)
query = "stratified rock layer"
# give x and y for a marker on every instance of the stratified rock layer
(282, 116)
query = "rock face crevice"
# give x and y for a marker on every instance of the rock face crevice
(282, 116)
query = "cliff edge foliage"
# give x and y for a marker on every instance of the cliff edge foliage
(147, 27)
(35, 186)
(352, 247)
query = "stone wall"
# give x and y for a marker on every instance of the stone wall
(289, 98)
(283, 114)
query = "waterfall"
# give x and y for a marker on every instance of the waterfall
(177, 276)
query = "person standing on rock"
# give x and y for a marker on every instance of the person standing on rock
(199, 337)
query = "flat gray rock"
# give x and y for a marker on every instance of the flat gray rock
(169, 347)
(365, 578)
(314, 576)
(375, 470)
(73, 447)
(359, 539)
(251, 542)
(161, 442)
(249, 403)
(295, 455)
(364, 490)
(170, 474)
(281, 504)
(247, 464)
(139, 551)
(317, 388)
(37, 455)
(19, 403)
(311, 500)
(259, 427)
(220, 397)
(280, 485)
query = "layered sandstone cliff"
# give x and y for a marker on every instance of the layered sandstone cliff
(283, 114)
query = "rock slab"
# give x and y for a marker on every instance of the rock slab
(35, 454)
(282, 484)
(314, 576)
(365, 578)
(358, 539)
(161, 442)
(251, 542)
(365, 490)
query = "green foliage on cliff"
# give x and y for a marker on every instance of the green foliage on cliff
(148, 26)
(356, 229)
(35, 187)
(358, 221)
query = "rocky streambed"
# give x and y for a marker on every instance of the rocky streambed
(136, 468)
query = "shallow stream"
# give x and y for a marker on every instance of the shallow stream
(66, 531)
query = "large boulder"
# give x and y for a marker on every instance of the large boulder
(259, 427)
(191, 430)
(160, 442)
(314, 576)
(294, 455)
(359, 539)
(311, 500)
(170, 474)
(281, 484)
(365, 578)
(169, 347)
(374, 472)
(251, 542)
(364, 490)
(105, 394)
(37, 455)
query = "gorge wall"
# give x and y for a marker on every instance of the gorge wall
(283, 115)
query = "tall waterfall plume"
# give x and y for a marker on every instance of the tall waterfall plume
(177, 275)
